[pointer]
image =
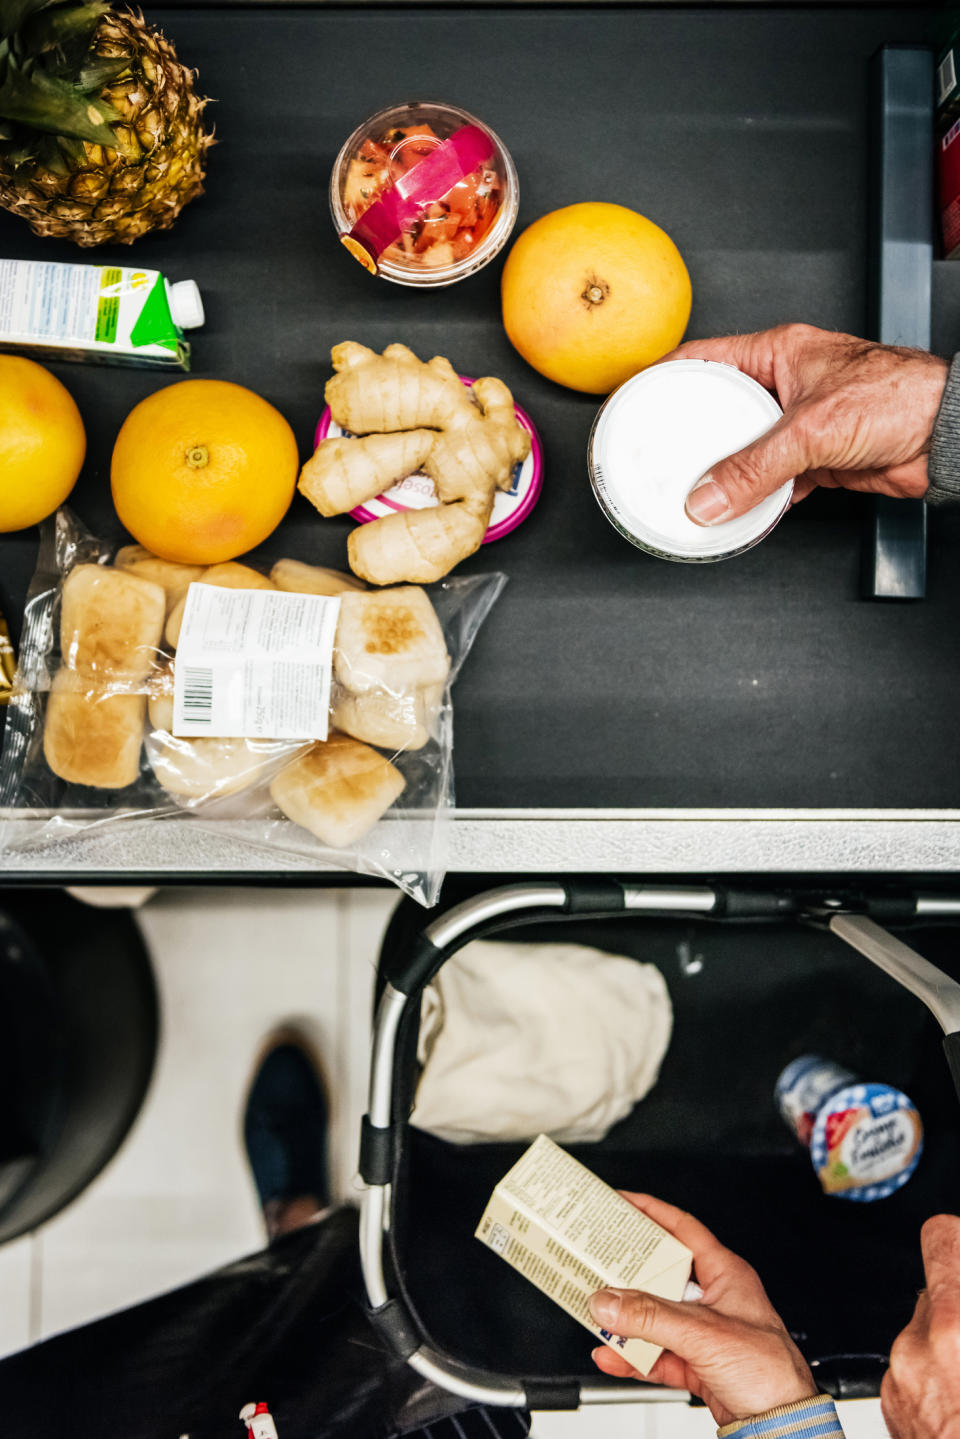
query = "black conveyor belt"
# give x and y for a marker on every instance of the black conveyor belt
(604, 677)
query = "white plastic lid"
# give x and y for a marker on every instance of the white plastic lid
(186, 305)
(658, 434)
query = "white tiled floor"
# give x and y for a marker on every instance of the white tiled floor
(178, 1200)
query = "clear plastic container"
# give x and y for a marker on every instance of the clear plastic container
(657, 435)
(424, 194)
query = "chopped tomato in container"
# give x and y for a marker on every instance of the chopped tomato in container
(424, 194)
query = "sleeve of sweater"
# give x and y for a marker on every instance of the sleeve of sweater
(944, 460)
(813, 1418)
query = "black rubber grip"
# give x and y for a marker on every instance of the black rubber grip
(552, 1393)
(754, 904)
(414, 968)
(951, 1048)
(893, 907)
(377, 1152)
(594, 896)
(850, 1376)
(398, 1328)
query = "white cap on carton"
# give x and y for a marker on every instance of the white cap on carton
(186, 305)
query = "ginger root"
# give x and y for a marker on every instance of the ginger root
(343, 473)
(404, 415)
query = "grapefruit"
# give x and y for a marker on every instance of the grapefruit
(593, 293)
(42, 443)
(202, 471)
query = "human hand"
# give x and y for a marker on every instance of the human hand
(920, 1396)
(857, 416)
(731, 1349)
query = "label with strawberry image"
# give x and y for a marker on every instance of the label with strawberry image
(838, 1126)
(866, 1142)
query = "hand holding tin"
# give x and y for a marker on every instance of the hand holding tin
(731, 1350)
(857, 416)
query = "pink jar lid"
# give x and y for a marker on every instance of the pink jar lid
(510, 507)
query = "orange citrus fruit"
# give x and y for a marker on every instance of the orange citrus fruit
(202, 471)
(42, 443)
(593, 293)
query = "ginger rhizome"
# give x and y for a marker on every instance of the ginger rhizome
(406, 415)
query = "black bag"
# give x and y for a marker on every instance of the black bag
(286, 1326)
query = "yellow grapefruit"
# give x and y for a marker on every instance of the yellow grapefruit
(42, 443)
(593, 293)
(203, 471)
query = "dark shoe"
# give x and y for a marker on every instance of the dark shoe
(285, 1133)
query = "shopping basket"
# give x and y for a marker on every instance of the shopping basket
(757, 977)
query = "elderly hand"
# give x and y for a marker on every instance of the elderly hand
(921, 1389)
(857, 416)
(731, 1350)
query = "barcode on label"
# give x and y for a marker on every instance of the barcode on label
(946, 77)
(198, 694)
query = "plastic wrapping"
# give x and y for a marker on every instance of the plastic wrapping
(90, 742)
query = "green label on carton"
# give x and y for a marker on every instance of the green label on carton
(154, 325)
(108, 308)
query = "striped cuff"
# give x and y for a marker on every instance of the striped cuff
(813, 1418)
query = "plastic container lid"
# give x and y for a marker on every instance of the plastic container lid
(866, 1142)
(417, 492)
(186, 305)
(423, 194)
(658, 434)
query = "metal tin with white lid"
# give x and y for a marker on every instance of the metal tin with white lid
(658, 434)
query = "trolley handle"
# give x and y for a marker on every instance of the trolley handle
(410, 970)
(414, 964)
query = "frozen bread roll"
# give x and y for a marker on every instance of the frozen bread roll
(431, 702)
(303, 579)
(199, 768)
(228, 576)
(111, 624)
(173, 578)
(337, 790)
(380, 717)
(160, 701)
(389, 640)
(91, 737)
(205, 768)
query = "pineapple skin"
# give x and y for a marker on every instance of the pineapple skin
(158, 167)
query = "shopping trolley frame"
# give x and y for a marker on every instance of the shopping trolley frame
(853, 917)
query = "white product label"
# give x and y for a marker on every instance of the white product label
(876, 1149)
(570, 1235)
(254, 664)
(263, 1427)
(46, 301)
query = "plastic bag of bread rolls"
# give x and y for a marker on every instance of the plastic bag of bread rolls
(357, 771)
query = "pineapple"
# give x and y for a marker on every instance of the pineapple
(101, 130)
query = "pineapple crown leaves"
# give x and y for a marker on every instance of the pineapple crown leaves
(51, 80)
